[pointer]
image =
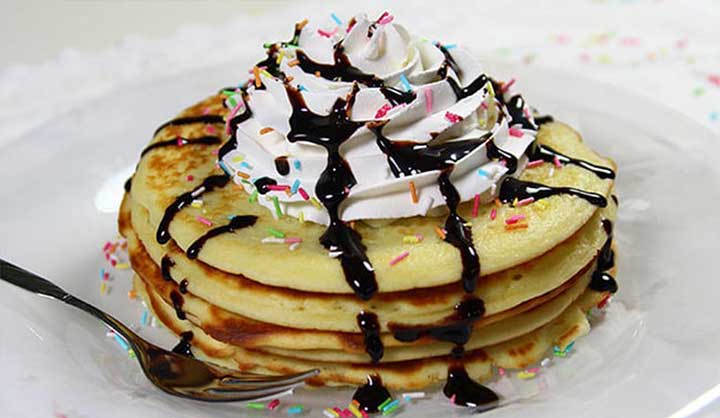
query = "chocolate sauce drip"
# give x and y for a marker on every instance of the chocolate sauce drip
(467, 392)
(262, 184)
(184, 285)
(183, 347)
(188, 120)
(340, 70)
(237, 222)
(542, 120)
(330, 132)
(615, 199)
(128, 184)
(282, 166)
(408, 158)
(368, 323)
(513, 188)
(516, 108)
(472, 88)
(270, 64)
(165, 265)
(209, 184)
(396, 96)
(449, 61)
(547, 154)
(601, 280)
(456, 329)
(496, 153)
(371, 395)
(231, 143)
(177, 302)
(179, 142)
(296, 35)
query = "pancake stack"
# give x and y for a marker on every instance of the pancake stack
(254, 291)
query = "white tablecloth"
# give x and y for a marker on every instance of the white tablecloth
(667, 50)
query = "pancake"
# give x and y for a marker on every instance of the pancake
(517, 353)
(162, 174)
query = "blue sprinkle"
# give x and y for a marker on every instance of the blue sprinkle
(230, 217)
(336, 19)
(714, 116)
(144, 319)
(483, 173)
(224, 168)
(569, 347)
(301, 87)
(121, 342)
(294, 410)
(245, 164)
(297, 164)
(451, 46)
(102, 274)
(391, 404)
(295, 186)
(405, 82)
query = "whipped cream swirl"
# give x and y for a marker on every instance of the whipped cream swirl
(419, 90)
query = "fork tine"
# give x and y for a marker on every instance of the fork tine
(229, 395)
(267, 381)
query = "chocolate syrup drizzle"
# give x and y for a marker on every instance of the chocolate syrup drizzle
(601, 280)
(456, 329)
(512, 188)
(178, 301)
(547, 154)
(188, 120)
(183, 347)
(371, 395)
(183, 287)
(470, 89)
(466, 392)
(368, 323)
(209, 184)
(408, 158)
(330, 132)
(165, 265)
(340, 70)
(449, 61)
(237, 222)
(179, 142)
(128, 184)
(282, 166)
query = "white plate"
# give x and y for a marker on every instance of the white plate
(655, 352)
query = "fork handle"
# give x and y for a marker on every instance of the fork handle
(40, 286)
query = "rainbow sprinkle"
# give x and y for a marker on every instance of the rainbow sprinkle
(255, 405)
(266, 130)
(295, 409)
(525, 201)
(315, 202)
(274, 232)
(515, 226)
(405, 82)
(493, 214)
(412, 239)
(297, 164)
(382, 111)
(203, 220)
(399, 258)
(276, 205)
(514, 219)
(273, 404)
(526, 374)
(354, 410)
(440, 232)
(329, 413)
(516, 132)
(335, 18)
(391, 407)
(556, 162)
(535, 163)
(295, 186)
(452, 117)
(506, 86)
(476, 206)
(413, 192)
(413, 395)
(427, 91)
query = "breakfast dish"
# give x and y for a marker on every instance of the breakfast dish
(370, 203)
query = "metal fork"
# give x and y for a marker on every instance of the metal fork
(173, 373)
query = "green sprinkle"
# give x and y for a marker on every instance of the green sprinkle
(382, 405)
(256, 405)
(699, 91)
(274, 232)
(228, 93)
(276, 203)
(253, 197)
(391, 409)
(246, 182)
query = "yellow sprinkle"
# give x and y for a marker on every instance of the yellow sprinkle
(280, 57)
(301, 217)
(514, 203)
(103, 288)
(266, 74)
(410, 239)
(315, 202)
(525, 375)
(265, 130)
(196, 203)
(355, 411)
(413, 192)
(238, 158)
(122, 266)
(490, 89)
(256, 73)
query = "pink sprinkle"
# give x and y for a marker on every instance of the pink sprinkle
(452, 117)
(525, 201)
(338, 410)
(476, 205)
(277, 187)
(346, 413)
(382, 111)
(585, 57)
(232, 115)
(364, 414)
(681, 43)
(493, 214)
(107, 246)
(399, 258)
(483, 106)
(452, 400)
(272, 405)
(113, 262)
(533, 370)
(304, 194)
(293, 240)
(383, 16)
(328, 34)
(215, 151)
(557, 163)
(505, 87)
(535, 163)
(518, 133)
(514, 219)
(190, 177)
(203, 220)
(206, 111)
(501, 371)
(714, 79)
(180, 142)
(562, 39)
(387, 19)
(428, 99)
(419, 237)
(630, 41)
(210, 129)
